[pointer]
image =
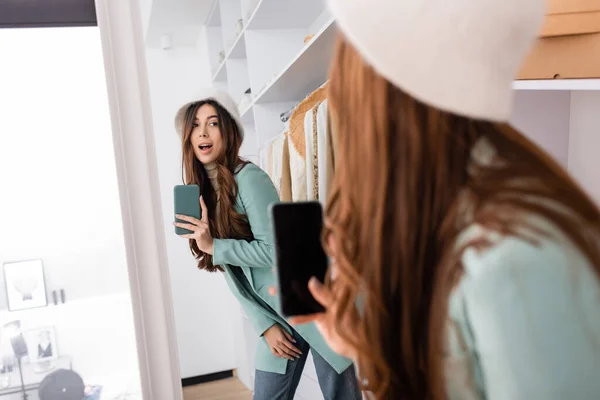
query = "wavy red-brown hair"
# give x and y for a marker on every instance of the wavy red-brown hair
(402, 172)
(229, 224)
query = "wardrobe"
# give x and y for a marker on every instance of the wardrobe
(273, 57)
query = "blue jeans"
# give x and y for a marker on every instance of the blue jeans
(334, 386)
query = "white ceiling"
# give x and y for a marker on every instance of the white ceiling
(181, 19)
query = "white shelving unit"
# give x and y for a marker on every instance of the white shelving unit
(558, 84)
(260, 45)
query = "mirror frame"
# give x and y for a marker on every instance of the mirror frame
(123, 47)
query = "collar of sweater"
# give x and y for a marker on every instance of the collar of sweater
(212, 172)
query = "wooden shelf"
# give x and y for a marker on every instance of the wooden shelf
(307, 71)
(557, 84)
(285, 14)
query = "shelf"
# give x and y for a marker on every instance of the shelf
(238, 50)
(221, 73)
(557, 84)
(269, 14)
(214, 16)
(247, 115)
(307, 71)
(285, 14)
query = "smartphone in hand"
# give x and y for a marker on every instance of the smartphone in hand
(187, 202)
(299, 254)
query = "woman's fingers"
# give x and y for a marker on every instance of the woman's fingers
(289, 336)
(289, 349)
(280, 354)
(189, 227)
(320, 292)
(192, 220)
(204, 210)
(286, 344)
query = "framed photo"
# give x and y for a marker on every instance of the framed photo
(25, 285)
(41, 344)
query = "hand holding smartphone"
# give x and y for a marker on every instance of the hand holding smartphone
(187, 202)
(299, 254)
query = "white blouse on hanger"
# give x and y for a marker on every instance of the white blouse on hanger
(275, 169)
(311, 157)
(324, 156)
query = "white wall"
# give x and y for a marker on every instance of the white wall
(564, 123)
(544, 117)
(182, 20)
(584, 141)
(203, 305)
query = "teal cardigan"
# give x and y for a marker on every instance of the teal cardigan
(524, 321)
(255, 193)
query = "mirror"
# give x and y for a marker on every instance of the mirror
(272, 58)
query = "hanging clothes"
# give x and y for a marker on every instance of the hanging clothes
(325, 152)
(263, 157)
(333, 137)
(275, 169)
(297, 144)
(269, 163)
(312, 151)
(286, 179)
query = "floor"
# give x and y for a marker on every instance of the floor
(225, 389)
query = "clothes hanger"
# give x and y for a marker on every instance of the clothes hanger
(285, 116)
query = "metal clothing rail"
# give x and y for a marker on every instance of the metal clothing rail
(285, 116)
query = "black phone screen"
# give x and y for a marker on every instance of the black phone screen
(299, 254)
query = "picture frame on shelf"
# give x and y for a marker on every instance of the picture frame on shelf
(42, 347)
(25, 285)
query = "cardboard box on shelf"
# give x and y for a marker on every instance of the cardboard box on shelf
(571, 24)
(564, 57)
(569, 43)
(572, 6)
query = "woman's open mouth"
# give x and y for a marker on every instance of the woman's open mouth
(205, 148)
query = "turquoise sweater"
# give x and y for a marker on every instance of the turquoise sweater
(525, 322)
(256, 192)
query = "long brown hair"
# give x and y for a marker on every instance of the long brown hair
(403, 173)
(226, 222)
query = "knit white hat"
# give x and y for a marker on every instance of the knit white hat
(210, 93)
(460, 56)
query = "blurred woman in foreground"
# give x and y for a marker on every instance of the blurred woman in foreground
(467, 260)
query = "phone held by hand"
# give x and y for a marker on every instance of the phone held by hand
(299, 254)
(187, 202)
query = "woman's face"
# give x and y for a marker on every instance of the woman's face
(206, 138)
